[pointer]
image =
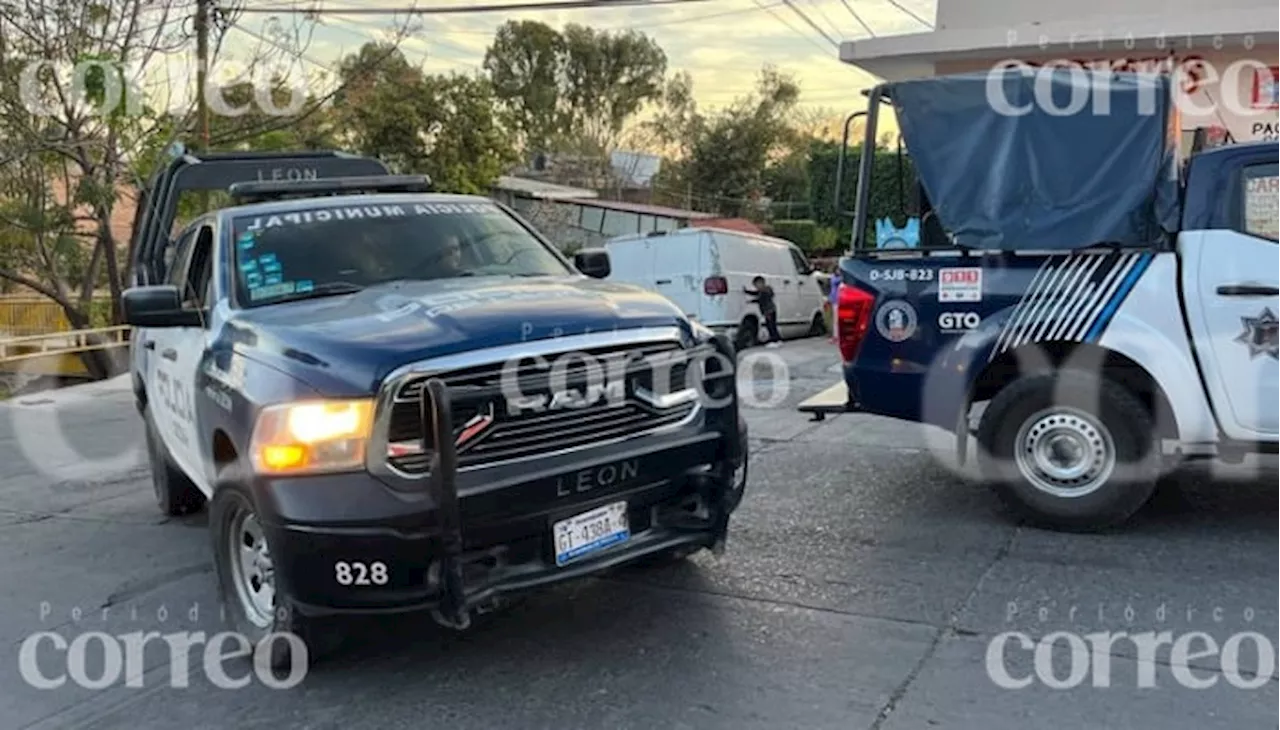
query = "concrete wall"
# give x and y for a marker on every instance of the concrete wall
(558, 223)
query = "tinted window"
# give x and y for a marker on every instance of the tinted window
(292, 254)
(1261, 193)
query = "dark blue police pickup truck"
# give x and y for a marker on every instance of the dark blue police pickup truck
(396, 400)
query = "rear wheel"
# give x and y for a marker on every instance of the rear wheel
(254, 599)
(1069, 450)
(176, 495)
(818, 327)
(748, 334)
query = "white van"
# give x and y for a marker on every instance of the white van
(706, 272)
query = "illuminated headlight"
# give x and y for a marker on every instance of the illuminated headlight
(312, 437)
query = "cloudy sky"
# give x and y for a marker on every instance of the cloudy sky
(722, 43)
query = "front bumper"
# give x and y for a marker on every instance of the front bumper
(404, 562)
(456, 541)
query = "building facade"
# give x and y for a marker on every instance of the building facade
(1224, 54)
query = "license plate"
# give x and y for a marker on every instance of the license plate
(591, 532)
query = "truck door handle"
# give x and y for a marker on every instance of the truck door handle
(1247, 290)
(170, 354)
(149, 344)
(663, 281)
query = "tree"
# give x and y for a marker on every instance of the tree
(447, 127)
(732, 149)
(469, 147)
(73, 150)
(608, 77)
(71, 153)
(381, 107)
(524, 66)
(575, 89)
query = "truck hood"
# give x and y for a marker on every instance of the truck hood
(346, 345)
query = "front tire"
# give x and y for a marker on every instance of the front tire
(1069, 450)
(259, 608)
(176, 495)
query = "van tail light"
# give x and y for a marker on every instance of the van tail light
(853, 317)
(714, 285)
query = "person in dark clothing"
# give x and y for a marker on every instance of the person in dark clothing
(763, 296)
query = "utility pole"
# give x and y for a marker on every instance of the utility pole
(202, 69)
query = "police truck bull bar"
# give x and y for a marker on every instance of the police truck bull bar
(454, 605)
(437, 439)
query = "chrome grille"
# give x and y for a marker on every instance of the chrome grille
(477, 392)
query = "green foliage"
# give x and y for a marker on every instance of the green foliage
(891, 195)
(470, 148)
(800, 232)
(731, 150)
(825, 238)
(447, 127)
(576, 87)
(524, 65)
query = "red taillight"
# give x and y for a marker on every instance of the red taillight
(853, 317)
(715, 285)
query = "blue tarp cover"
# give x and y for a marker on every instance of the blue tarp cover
(1010, 162)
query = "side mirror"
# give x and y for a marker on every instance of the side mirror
(593, 262)
(157, 306)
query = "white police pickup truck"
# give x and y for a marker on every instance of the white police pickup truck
(398, 400)
(1115, 312)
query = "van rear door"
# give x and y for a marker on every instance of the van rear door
(679, 269)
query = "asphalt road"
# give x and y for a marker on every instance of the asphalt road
(863, 584)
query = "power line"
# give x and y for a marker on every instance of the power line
(794, 29)
(647, 26)
(807, 19)
(823, 15)
(493, 8)
(920, 20)
(858, 18)
(390, 50)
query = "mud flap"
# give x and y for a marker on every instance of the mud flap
(437, 421)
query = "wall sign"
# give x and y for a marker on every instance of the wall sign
(1264, 88)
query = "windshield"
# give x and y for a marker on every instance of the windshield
(345, 248)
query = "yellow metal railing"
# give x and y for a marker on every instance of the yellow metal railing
(24, 315)
(74, 342)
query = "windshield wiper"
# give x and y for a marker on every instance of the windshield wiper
(327, 289)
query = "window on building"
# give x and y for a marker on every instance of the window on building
(592, 218)
(523, 206)
(1261, 190)
(620, 223)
